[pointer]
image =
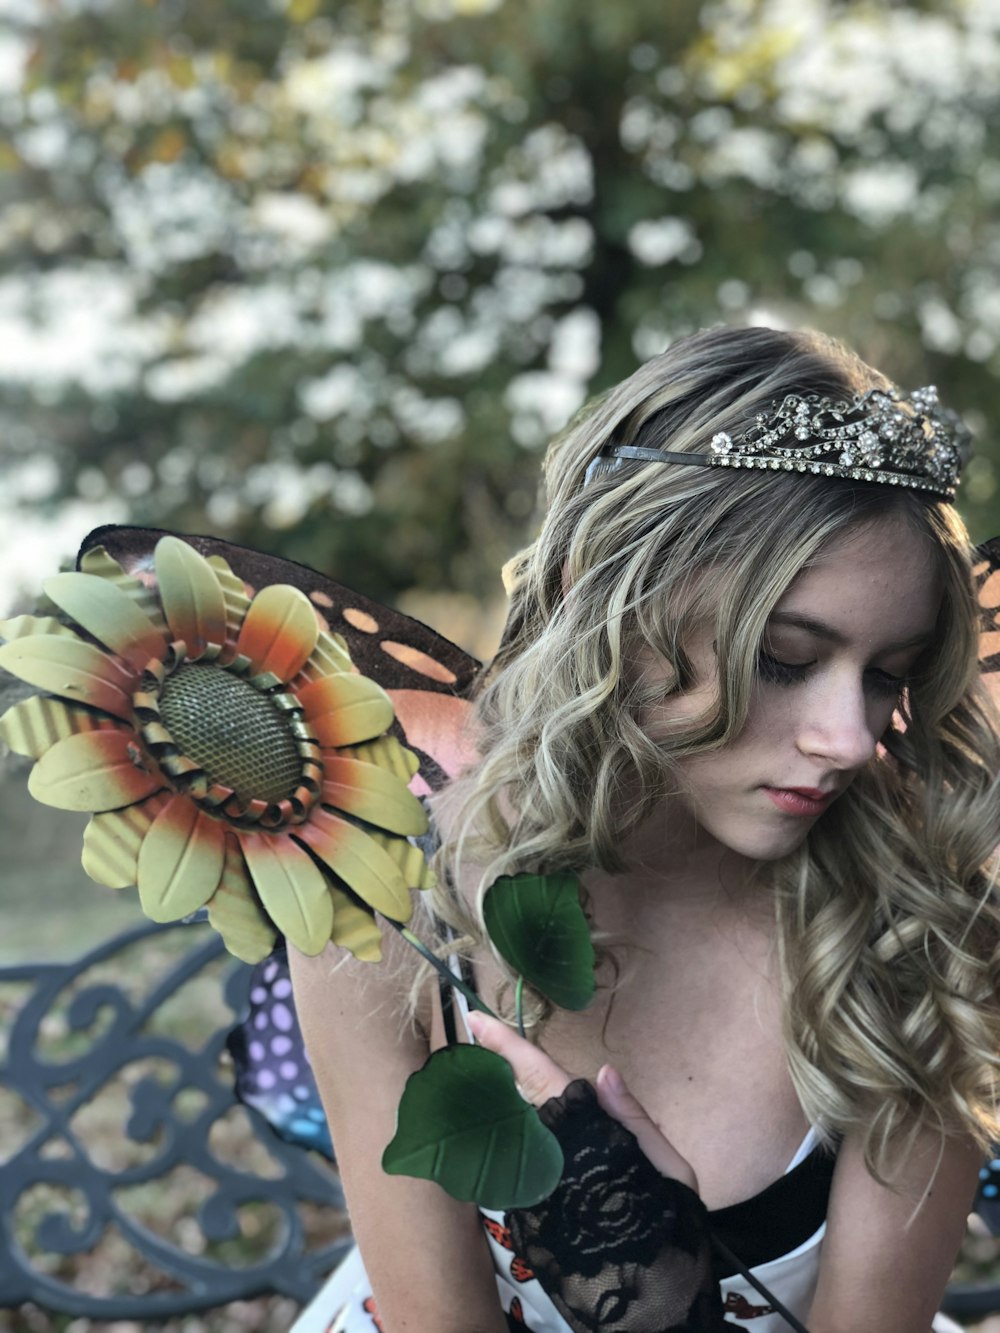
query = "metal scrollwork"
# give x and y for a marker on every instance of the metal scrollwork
(106, 1041)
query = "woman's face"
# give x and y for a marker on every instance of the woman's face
(837, 651)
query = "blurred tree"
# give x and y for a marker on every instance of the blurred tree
(323, 277)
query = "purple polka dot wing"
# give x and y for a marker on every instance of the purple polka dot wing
(273, 1074)
(988, 1195)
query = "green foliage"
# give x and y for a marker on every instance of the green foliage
(343, 267)
(539, 928)
(463, 1124)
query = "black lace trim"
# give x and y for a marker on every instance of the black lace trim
(617, 1246)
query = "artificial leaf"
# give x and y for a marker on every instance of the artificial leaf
(463, 1124)
(538, 926)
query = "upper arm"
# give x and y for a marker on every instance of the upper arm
(886, 1261)
(425, 1253)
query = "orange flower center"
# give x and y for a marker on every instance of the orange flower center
(232, 731)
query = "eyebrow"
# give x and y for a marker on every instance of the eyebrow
(824, 631)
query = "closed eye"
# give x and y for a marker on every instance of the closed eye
(774, 671)
(777, 672)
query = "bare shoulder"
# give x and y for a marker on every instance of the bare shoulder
(342, 1002)
(888, 1252)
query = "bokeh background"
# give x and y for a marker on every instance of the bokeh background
(323, 276)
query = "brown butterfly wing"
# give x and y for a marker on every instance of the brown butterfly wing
(986, 569)
(428, 677)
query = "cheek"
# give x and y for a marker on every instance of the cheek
(665, 721)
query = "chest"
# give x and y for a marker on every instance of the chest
(694, 1026)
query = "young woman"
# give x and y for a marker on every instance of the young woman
(737, 694)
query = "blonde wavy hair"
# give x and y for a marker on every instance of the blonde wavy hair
(887, 917)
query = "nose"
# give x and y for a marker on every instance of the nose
(838, 725)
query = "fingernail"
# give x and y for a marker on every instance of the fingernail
(475, 1023)
(612, 1080)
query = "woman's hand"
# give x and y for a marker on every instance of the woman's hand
(539, 1078)
(622, 1243)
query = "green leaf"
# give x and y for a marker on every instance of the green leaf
(463, 1124)
(539, 928)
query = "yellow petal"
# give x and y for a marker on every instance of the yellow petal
(111, 842)
(372, 794)
(73, 670)
(180, 860)
(96, 771)
(354, 929)
(110, 615)
(345, 709)
(360, 863)
(328, 657)
(236, 913)
(19, 627)
(36, 724)
(387, 752)
(293, 889)
(191, 596)
(408, 857)
(97, 561)
(280, 631)
(233, 594)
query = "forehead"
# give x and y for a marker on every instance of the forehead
(877, 582)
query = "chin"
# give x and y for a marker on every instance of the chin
(763, 844)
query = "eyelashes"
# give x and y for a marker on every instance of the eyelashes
(775, 672)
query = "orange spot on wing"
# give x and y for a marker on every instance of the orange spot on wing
(418, 661)
(360, 620)
(436, 724)
(321, 598)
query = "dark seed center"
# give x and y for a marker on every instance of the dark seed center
(231, 730)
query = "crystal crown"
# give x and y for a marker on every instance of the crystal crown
(877, 436)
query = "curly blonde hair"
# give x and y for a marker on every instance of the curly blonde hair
(887, 916)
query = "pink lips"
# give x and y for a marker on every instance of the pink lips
(800, 800)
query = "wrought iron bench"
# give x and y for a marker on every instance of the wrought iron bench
(139, 1188)
(114, 1088)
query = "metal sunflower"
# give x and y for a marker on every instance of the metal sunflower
(218, 742)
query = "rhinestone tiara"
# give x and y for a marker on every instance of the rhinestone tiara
(878, 436)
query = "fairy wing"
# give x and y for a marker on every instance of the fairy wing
(986, 569)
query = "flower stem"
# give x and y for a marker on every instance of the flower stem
(519, 1004)
(442, 968)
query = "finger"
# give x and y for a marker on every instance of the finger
(619, 1103)
(538, 1078)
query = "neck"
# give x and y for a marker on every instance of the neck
(673, 865)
